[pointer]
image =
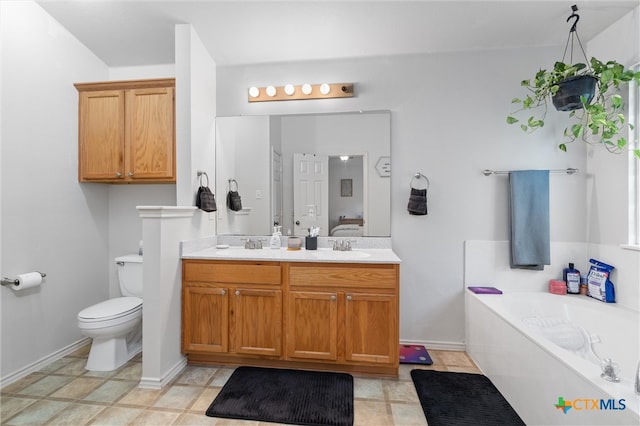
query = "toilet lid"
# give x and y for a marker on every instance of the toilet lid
(111, 308)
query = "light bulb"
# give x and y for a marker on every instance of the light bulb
(344, 157)
(271, 91)
(325, 88)
(289, 89)
(306, 88)
(254, 92)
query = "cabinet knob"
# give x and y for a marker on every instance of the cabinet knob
(237, 292)
(118, 174)
(349, 298)
(333, 297)
(130, 174)
(223, 292)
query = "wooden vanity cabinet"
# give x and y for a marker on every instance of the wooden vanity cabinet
(232, 308)
(330, 316)
(126, 131)
(344, 313)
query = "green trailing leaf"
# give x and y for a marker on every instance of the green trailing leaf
(616, 101)
(512, 120)
(636, 152)
(562, 147)
(577, 130)
(622, 142)
(516, 101)
(523, 127)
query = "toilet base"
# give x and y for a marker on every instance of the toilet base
(110, 354)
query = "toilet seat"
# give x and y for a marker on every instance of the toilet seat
(111, 312)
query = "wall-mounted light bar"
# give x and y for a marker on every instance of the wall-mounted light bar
(290, 92)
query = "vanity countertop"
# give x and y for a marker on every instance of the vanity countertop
(285, 255)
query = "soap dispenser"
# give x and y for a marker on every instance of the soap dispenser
(275, 238)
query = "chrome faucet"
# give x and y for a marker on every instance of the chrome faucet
(610, 370)
(251, 244)
(342, 245)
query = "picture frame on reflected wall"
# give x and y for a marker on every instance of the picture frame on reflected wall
(346, 187)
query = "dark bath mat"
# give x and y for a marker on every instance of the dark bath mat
(462, 399)
(286, 396)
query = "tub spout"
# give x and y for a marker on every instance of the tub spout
(636, 388)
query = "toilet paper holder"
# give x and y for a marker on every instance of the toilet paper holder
(14, 281)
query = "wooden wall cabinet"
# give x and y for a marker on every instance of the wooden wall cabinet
(126, 131)
(341, 317)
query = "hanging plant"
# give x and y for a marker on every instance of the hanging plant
(590, 92)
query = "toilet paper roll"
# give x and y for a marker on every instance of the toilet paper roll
(28, 280)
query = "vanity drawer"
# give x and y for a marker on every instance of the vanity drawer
(369, 276)
(232, 272)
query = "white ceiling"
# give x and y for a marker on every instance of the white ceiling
(131, 33)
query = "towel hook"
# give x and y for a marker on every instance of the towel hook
(416, 178)
(233, 181)
(200, 174)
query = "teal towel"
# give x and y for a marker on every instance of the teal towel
(529, 205)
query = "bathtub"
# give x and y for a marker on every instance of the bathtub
(510, 338)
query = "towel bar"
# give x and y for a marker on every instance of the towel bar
(568, 171)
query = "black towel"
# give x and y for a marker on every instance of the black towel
(417, 202)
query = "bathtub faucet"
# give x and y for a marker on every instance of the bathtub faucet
(610, 370)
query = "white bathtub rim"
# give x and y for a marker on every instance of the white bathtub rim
(585, 370)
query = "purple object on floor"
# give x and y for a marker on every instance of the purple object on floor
(414, 354)
(485, 290)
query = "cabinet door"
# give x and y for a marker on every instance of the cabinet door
(371, 328)
(205, 314)
(257, 321)
(312, 325)
(102, 135)
(151, 133)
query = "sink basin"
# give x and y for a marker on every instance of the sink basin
(335, 254)
(239, 252)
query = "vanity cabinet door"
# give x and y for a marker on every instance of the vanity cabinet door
(205, 314)
(256, 321)
(312, 325)
(371, 328)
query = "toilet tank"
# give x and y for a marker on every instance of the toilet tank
(129, 269)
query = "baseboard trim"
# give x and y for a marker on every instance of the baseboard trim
(436, 345)
(158, 383)
(43, 362)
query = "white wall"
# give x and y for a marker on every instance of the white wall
(50, 222)
(195, 121)
(244, 153)
(448, 122)
(607, 175)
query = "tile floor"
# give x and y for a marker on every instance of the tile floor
(64, 393)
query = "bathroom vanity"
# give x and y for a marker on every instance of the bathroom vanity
(317, 309)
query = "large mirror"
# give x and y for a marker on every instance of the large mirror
(330, 171)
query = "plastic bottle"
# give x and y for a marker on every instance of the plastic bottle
(275, 242)
(571, 276)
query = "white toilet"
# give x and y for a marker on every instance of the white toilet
(115, 325)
